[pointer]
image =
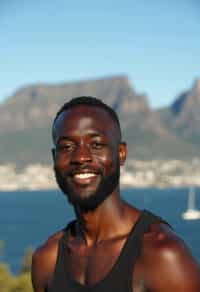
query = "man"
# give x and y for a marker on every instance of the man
(111, 246)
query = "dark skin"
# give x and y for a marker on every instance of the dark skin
(88, 135)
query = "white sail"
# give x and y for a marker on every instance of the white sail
(191, 213)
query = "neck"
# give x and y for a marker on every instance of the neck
(104, 222)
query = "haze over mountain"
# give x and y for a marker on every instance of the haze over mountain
(27, 115)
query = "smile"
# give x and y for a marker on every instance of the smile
(84, 175)
(84, 178)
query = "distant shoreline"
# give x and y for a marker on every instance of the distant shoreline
(136, 174)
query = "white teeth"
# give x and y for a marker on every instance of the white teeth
(84, 175)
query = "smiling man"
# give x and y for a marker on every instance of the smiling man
(111, 246)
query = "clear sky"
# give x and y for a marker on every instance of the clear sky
(156, 43)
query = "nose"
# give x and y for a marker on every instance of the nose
(81, 155)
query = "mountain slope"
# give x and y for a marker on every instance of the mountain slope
(183, 116)
(26, 118)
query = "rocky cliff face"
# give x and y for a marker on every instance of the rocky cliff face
(186, 112)
(35, 106)
(26, 117)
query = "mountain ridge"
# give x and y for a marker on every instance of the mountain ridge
(170, 132)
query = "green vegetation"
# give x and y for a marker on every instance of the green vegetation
(20, 282)
(26, 147)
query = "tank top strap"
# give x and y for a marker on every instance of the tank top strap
(59, 277)
(68, 229)
(132, 247)
(143, 224)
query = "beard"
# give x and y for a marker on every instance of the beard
(90, 202)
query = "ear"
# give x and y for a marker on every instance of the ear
(122, 153)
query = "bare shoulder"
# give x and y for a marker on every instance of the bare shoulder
(167, 262)
(49, 248)
(44, 261)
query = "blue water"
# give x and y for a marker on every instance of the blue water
(28, 218)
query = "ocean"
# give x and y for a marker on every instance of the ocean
(27, 219)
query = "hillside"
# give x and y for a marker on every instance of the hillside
(182, 117)
(26, 117)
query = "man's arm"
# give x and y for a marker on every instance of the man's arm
(38, 272)
(43, 264)
(168, 263)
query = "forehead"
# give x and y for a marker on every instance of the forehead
(84, 118)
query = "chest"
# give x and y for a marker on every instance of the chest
(90, 266)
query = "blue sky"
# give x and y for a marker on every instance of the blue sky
(156, 43)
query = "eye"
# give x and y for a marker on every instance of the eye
(97, 145)
(65, 147)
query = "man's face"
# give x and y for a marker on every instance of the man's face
(87, 155)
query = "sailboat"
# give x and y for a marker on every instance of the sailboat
(191, 213)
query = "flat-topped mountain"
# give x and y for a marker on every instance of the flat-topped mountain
(35, 106)
(27, 115)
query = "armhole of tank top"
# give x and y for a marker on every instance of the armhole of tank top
(142, 226)
(52, 284)
(59, 257)
(130, 251)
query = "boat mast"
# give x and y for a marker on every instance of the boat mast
(191, 199)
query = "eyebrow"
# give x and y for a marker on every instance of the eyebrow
(92, 135)
(63, 138)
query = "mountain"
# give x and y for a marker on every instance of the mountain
(35, 106)
(27, 115)
(183, 115)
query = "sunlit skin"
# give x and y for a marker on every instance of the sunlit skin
(82, 147)
(88, 149)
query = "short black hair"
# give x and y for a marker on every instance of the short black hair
(89, 101)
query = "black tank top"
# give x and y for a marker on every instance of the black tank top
(119, 279)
